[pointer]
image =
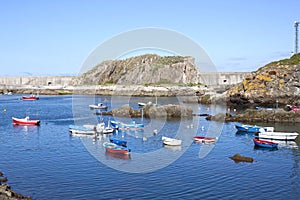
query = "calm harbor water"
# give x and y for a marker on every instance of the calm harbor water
(45, 162)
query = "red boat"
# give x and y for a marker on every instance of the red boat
(25, 121)
(204, 139)
(294, 108)
(114, 148)
(30, 98)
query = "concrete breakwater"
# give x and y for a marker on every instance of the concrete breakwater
(218, 81)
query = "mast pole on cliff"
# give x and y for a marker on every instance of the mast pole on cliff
(296, 36)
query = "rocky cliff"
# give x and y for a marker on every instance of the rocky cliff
(278, 81)
(144, 69)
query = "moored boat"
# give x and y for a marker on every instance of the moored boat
(264, 143)
(25, 121)
(131, 126)
(171, 141)
(30, 98)
(277, 135)
(141, 104)
(293, 108)
(252, 129)
(204, 139)
(118, 142)
(247, 128)
(98, 106)
(114, 148)
(82, 130)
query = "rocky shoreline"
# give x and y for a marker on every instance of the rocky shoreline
(254, 115)
(6, 193)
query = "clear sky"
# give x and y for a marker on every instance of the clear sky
(54, 37)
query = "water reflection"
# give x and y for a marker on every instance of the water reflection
(117, 156)
(172, 148)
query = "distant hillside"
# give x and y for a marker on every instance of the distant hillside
(276, 81)
(144, 69)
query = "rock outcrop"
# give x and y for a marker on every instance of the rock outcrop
(276, 82)
(6, 193)
(144, 69)
(238, 158)
(252, 115)
(152, 111)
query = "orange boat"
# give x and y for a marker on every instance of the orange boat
(25, 121)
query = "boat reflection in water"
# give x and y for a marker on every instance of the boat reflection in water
(117, 156)
(172, 148)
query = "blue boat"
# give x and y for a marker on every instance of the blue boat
(122, 126)
(248, 128)
(118, 142)
(264, 143)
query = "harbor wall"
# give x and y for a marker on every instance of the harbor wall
(208, 78)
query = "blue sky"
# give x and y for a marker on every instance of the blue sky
(55, 37)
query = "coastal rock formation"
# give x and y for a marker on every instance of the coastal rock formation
(253, 115)
(276, 82)
(152, 111)
(144, 69)
(6, 193)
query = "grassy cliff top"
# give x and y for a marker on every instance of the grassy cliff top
(294, 60)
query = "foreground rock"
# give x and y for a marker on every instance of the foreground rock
(152, 111)
(6, 193)
(276, 82)
(238, 158)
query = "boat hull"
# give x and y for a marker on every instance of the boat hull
(204, 139)
(25, 121)
(81, 130)
(98, 107)
(277, 135)
(171, 141)
(264, 143)
(116, 149)
(31, 98)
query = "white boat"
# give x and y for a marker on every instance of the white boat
(82, 130)
(100, 128)
(277, 135)
(171, 141)
(141, 104)
(98, 106)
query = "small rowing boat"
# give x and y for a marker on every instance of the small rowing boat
(25, 121)
(204, 139)
(114, 148)
(171, 141)
(264, 143)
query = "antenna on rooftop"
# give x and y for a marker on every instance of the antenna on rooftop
(296, 38)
